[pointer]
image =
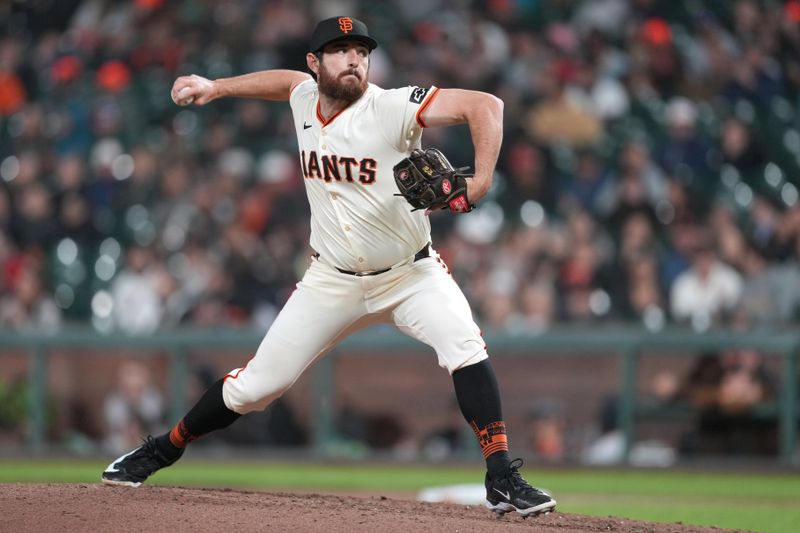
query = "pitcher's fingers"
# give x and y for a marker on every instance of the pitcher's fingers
(180, 88)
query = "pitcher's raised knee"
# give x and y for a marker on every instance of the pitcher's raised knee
(247, 395)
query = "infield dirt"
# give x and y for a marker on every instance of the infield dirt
(77, 508)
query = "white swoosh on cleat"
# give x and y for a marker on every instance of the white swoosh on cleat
(111, 468)
(506, 495)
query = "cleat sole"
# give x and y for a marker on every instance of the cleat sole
(114, 483)
(502, 508)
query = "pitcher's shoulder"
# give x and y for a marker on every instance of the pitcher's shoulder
(304, 90)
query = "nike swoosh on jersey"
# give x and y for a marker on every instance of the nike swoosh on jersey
(306, 126)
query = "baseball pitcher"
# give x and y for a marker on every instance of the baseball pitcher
(371, 188)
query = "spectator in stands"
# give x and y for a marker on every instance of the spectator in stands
(604, 96)
(577, 280)
(75, 220)
(546, 431)
(682, 207)
(538, 305)
(141, 187)
(640, 187)
(727, 389)
(137, 306)
(756, 78)
(497, 311)
(767, 229)
(745, 382)
(73, 209)
(14, 73)
(730, 239)
(29, 306)
(655, 48)
(608, 448)
(707, 292)
(133, 409)
(557, 120)
(528, 177)
(634, 276)
(788, 49)
(590, 184)
(684, 154)
(637, 237)
(35, 224)
(741, 151)
(710, 55)
(770, 293)
(643, 300)
(746, 21)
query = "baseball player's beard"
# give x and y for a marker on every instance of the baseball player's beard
(337, 89)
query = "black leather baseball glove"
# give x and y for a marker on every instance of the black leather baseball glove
(427, 180)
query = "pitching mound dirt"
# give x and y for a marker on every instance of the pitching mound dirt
(29, 508)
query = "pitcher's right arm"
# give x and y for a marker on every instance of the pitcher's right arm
(264, 85)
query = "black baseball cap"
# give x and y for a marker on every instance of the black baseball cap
(340, 29)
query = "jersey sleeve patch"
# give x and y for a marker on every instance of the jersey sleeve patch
(418, 94)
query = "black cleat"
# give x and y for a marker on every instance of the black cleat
(509, 492)
(134, 467)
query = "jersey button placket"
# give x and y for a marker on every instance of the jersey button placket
(341, 216)
(341, 212)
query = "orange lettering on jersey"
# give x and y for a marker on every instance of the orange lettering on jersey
(367, 174)
(330, 168)
(345, 24)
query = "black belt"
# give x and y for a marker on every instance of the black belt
(422, 254)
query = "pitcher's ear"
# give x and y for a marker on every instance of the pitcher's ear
(313, 60)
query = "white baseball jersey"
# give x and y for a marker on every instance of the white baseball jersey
(356, 221)
(358, 224)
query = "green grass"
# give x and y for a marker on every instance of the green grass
(759, 502)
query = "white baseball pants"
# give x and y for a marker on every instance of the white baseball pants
(420, 298)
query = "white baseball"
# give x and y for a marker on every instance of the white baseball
(184, 101)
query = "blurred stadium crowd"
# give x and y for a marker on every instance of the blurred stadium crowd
(649, 172)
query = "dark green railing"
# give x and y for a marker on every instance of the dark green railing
(629, 344)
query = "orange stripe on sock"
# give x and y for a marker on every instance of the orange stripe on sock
(494, 448)
(175, 437)
(498, 440)
(501, 442)
(179, 436)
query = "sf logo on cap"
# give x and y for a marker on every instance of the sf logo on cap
(345, 24)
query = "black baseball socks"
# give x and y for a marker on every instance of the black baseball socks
(476, 391)
(208, 414)
(479, 399)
